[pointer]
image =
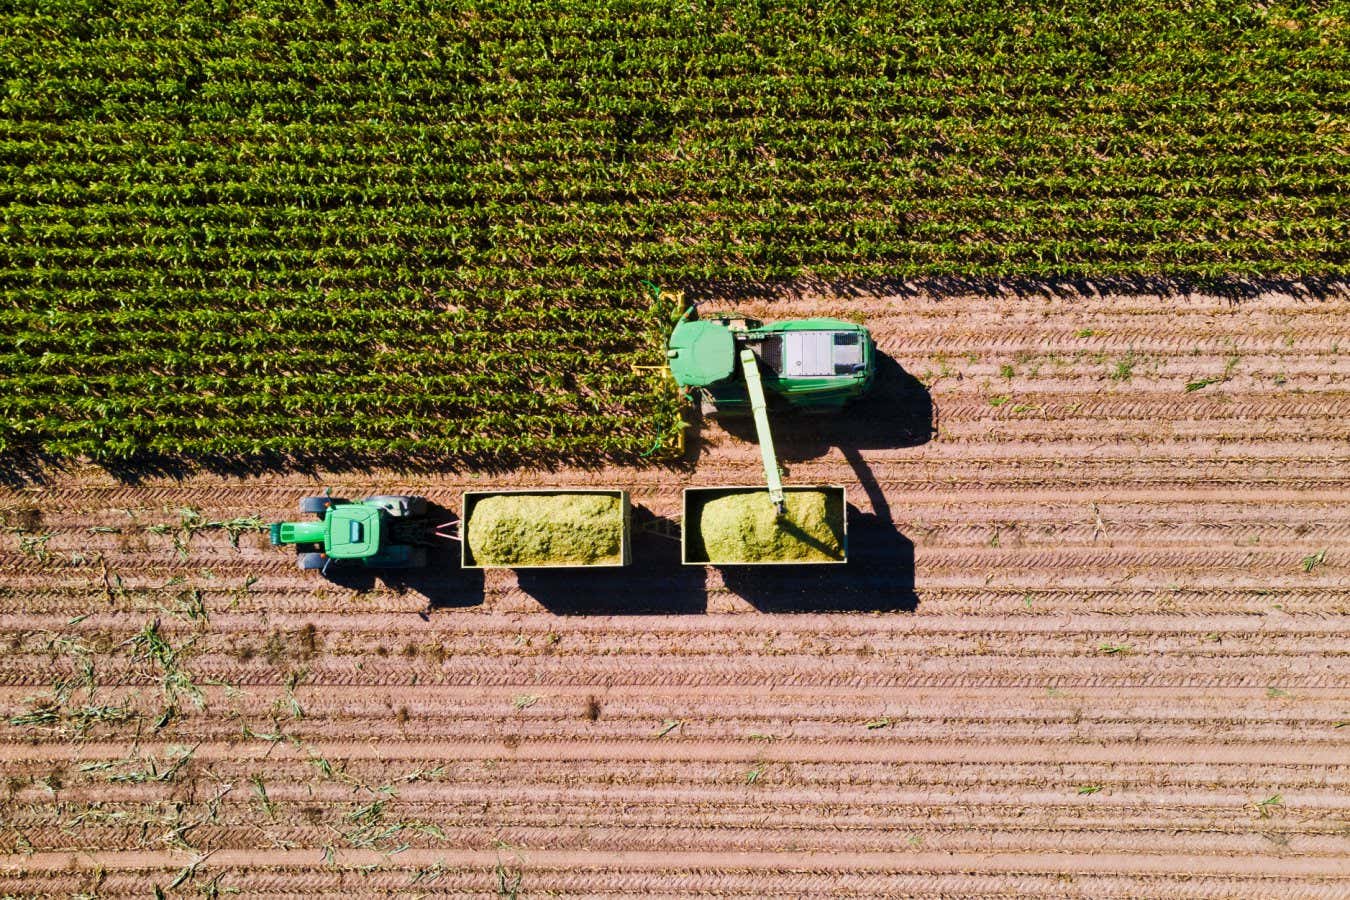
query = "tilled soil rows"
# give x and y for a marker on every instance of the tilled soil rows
(1090, 641)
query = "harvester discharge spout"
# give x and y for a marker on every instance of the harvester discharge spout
(760, 407)
(703, 354)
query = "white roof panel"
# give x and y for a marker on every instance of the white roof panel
(808, 353)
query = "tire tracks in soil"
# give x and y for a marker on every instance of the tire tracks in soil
(1099, 504)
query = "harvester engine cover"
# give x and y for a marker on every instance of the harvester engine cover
(701, 353)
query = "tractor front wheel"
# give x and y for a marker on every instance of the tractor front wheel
(310, 561)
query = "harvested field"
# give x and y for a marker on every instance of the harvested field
(1090, 641)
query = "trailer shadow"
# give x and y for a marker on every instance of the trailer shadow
(443, 583)
(656, 584)
(897, 412)
(878, 577)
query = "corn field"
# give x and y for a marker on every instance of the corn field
(240, 227)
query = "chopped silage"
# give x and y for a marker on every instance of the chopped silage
(546, 530)
(745, 528)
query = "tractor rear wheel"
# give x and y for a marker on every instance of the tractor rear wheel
(400, 504)
(314, 506)
(310, 561)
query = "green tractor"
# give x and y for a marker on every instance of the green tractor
(813, 365)
(383, 532)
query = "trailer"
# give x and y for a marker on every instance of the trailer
(546, 529)
(817, 365)
(737, 525)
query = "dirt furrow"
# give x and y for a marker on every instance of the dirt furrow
(435, 880)
(291, 595)
(759, 836)
(898, 751)
(908, 861)
(1090, 642)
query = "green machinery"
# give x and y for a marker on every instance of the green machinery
(814, 365)
(741, 364)
(383, 532)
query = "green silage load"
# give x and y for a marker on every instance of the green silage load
(546, 530)
(744, 527)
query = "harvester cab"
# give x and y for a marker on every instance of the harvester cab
(815, 365)
(383, 532)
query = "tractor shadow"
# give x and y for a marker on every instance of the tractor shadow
(654, 584)
(443, 583)
(897, 412)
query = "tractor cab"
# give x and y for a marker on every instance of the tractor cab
(377, 532)
(345, 532)
(353, 532)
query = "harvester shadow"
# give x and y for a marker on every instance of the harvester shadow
(1234, 289)
(800, 535)
(879, 575)
(443, 583)
(655, 584)
(897, 412)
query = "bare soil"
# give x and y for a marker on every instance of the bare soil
(1090, 642)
